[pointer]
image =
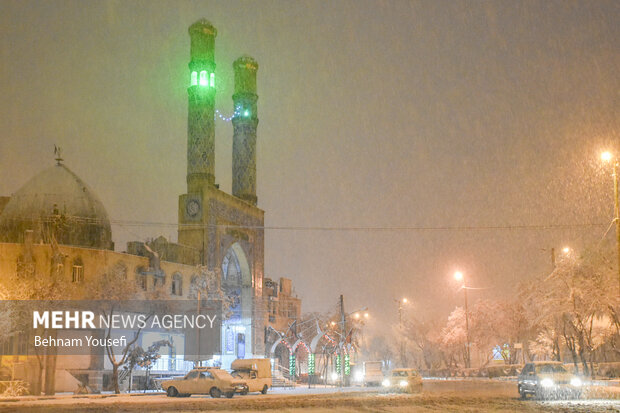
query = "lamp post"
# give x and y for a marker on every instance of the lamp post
(400, 326)
(344, 335)
(460, 277)
(608, 157)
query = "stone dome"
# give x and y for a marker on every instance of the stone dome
(56, 203)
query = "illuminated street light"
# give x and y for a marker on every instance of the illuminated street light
(366, 315)
(566, 250)
(609, 157)
(459, 276)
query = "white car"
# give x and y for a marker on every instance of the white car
(205, 380)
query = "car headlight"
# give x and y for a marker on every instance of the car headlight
(576, 382)
(403, 383)
(386, 383)
(546, 382)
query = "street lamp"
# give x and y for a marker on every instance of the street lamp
(609, 157)
(400, 326)
(459, 276)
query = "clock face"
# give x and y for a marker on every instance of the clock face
(192, 208)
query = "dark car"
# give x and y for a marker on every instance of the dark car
(548, 379)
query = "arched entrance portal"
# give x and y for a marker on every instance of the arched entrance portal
(237, 284)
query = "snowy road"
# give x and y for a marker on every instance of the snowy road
(438, 396)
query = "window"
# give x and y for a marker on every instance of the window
(77, 273)
(231, 270)
(177, 285)
(194, 80)
(528, 368)
(25, 267)
(141, 278)
(119, 271)
(192, 375)
(203, 78)
(193, 287)
(551, 368)
(158, 281)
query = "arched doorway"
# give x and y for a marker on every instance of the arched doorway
(237, 285)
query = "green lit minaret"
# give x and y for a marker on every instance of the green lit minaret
(244, 122)
(200, 117)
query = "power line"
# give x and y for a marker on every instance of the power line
(370, 228)
(509, 227)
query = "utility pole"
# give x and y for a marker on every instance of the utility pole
(468, 363)
(606, 157)
(199, 361)
(400, 327)
(617, 218)
(459, 276)
(343, 338)
(401, 332)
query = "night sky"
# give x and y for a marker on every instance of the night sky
(451, 115)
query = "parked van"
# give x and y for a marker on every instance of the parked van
(256, 373)
(373, 373)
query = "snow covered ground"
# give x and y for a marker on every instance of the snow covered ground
(438, 396)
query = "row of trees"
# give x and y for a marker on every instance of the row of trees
(570, 315)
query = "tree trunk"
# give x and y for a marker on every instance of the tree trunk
(117, 390)
(50, 367)
(37, 385)
(146, 380)
(556, 349)
(584, 362)
(130, 379)
(50, 373)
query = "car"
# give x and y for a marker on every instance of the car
(403, 380)
(205, 380)
(548, 379)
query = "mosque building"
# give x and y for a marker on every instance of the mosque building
(56, 225)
